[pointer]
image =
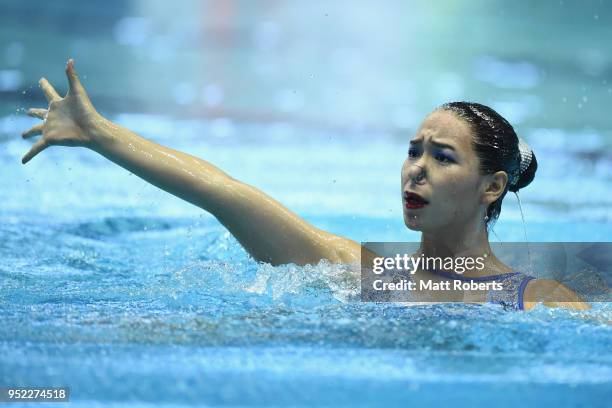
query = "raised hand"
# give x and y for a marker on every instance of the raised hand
(269, 231)
(67, 121)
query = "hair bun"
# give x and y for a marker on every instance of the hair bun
(528, 167)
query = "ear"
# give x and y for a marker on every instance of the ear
(493, 186)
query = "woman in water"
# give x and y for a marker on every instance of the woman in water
(462, 161)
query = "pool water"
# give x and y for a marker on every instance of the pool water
(126, 294)
(129, 296)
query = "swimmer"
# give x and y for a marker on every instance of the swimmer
(461, 163)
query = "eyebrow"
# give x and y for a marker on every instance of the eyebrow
(436, 143)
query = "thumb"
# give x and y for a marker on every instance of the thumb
(73, 79)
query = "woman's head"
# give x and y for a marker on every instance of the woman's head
(462, 161)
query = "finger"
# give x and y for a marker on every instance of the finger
(37, 113)
(50, 92)
(38, 147)
(33, 131)
(73, 78)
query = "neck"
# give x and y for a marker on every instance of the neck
(471, 240)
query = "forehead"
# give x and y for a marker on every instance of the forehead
(446, 127)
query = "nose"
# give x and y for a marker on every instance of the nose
(416, 173)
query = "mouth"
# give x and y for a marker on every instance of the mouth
(414, 201)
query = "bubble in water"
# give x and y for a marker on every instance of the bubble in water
(132, 30)
(14, 53)
(10, 79)
(212, 95)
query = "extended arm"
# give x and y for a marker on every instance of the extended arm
(267, 230)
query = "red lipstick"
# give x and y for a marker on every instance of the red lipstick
(414, 201)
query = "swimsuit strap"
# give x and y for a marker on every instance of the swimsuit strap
(511, 294)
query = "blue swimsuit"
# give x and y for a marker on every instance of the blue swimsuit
(510, 297)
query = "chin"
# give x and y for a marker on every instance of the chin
(414, 224)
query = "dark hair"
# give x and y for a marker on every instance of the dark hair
(497, 147)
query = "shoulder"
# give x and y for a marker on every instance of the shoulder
(552, 294)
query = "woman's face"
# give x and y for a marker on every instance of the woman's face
(441, 168)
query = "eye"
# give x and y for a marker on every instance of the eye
(413, 152)
(443, 158)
